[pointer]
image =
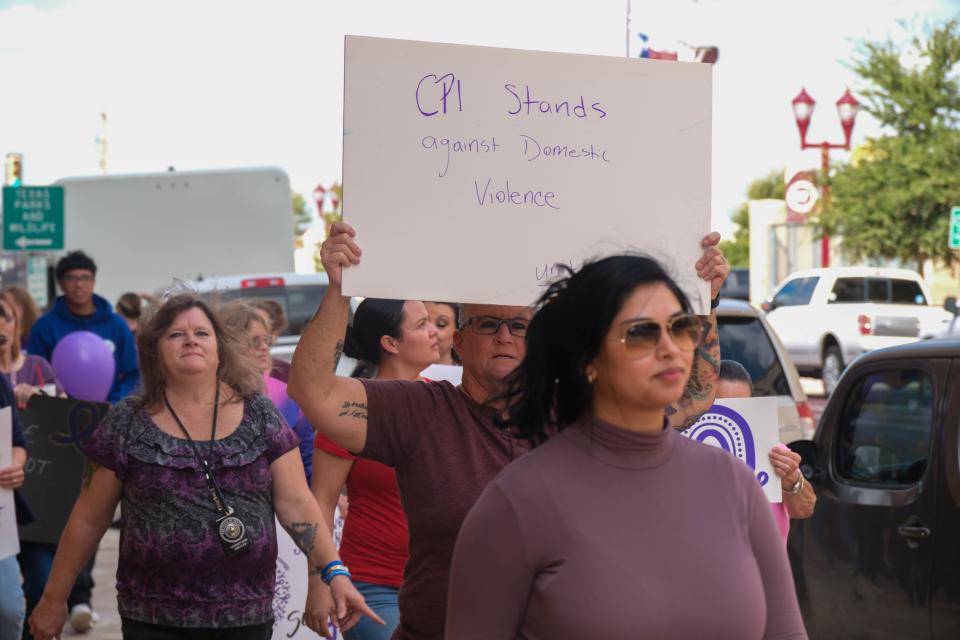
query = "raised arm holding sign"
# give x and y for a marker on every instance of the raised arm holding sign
(442, 439)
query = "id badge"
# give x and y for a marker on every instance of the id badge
(232, 533)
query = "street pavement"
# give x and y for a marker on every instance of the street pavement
(105, 592)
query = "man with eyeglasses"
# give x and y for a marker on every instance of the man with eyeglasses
(441, 440)
(80, 309)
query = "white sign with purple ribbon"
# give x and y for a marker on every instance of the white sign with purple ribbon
(470, 172)
(747, 428)
(9, 540)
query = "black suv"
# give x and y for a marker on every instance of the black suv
(880, 558)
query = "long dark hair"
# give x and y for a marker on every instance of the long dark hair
(550, 386)
(374, 318)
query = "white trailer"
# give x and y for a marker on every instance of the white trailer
(148, 231)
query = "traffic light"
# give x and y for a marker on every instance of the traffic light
(13, 170)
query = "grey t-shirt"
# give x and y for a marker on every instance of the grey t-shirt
(608, 533)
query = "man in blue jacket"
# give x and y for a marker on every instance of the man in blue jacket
(80, 309)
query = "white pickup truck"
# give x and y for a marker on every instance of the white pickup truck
(827, 317)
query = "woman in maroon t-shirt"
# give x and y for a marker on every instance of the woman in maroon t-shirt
(400, 340)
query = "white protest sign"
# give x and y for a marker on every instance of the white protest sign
(470, 172)
(450, 372)
(747, 428)
(9, 540)
(290, 590)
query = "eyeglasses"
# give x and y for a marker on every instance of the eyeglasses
(490, 325)
(260, 342)
(86, 277)
(640, 338)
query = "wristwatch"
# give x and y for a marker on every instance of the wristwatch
(795, 489)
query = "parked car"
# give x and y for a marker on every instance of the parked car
(827, 317)
(298, 293)
(953, 327)
(880, 557)
(737, 284)
(745, 336)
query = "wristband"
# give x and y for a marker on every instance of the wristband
(339, 570)
(715, 302)
(329, 566)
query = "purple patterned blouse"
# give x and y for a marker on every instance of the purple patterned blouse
(172, 568)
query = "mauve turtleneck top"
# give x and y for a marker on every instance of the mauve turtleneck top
(609, 533)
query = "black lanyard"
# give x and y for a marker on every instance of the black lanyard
(216, 496)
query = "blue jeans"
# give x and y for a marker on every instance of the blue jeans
(383, 601)
(13, 606)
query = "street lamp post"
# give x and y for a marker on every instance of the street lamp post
(847, 107)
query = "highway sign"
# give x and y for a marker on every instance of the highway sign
(32, 218)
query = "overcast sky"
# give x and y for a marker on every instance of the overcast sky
(200, 84)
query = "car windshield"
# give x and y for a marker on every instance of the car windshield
(299, 302)
(743, 339)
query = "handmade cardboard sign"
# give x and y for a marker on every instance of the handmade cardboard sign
(56, 430)
(470, 173)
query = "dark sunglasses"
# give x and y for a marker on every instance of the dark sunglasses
(641, 337)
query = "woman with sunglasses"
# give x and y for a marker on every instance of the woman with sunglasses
(617, 527)
(245, 319)
(441, 439)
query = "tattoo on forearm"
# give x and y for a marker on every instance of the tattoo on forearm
(703, 377)
(315, 570)
(337, 352)
(89, 468)
(351, 409)
(304, 534)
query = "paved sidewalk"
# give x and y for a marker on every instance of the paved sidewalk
(105, 592)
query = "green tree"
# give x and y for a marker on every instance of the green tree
(301, 215)
(737, 251)
(893, 199)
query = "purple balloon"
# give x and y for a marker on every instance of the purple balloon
(84, 365)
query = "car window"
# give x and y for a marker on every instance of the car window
(906, 292)
(878, 290)
(795, 292)
(744, 340)
(847, 290)
(220, 296)
(302, 303)
(884, 430)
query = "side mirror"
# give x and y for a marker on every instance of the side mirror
(950, 304)
(767, 306)
(809, 459)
